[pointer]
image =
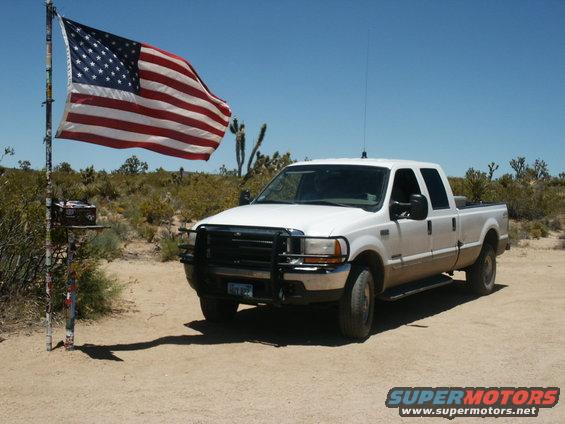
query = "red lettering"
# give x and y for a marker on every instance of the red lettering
(505, 396)
(490, 397)
(550, 397)
(520, 397)
(535, 397)
(473, 397)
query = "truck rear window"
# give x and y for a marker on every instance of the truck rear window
(436, 189)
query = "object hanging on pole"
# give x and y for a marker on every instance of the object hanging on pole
(50, 11)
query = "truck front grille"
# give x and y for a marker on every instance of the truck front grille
(244, 247)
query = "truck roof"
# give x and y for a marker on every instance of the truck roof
(385, 163)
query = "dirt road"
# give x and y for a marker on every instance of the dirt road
(160, 362)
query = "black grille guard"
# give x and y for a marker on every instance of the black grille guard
(281, 260)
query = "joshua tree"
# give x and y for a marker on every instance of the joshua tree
(541, 170)
(24, 165)
(64, 167)
(88, 175)
(239, 131)
(492, 167)
(8, 151)
(133, 166)
(476, 184)
(519, 166)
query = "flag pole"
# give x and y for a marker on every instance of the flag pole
(49, 9)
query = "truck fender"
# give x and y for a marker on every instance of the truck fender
(367, 244)
(490, 224)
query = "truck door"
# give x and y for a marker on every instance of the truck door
(442, 222)
(413, 257)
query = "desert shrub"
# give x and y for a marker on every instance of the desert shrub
(147, 232)
(97, 292)
(107, 189)
(118, 225)
(105, 245)
(88, 175)
(537, 229)
(204, 195)
(156, 209)
(22, 250)
(128, 206)
(516, 232)
(169, 249)
(476, 185)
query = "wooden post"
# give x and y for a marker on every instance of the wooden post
(49, 9)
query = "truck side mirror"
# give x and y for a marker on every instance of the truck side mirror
(244, 197)
(418, 207)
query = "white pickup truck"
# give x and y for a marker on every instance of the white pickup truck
(344, 231)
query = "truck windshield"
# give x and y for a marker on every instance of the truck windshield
(332, 185)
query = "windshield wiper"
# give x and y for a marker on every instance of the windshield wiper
(324, 202)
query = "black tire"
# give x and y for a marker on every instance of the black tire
(218, 310)
(357, 304)
(482, 274)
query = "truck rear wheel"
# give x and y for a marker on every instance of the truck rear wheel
(482, 274)
(218, 310)
(357, 304)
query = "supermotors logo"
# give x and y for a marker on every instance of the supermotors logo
(451, 402)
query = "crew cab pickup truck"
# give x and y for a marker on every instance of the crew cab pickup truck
(345, 231)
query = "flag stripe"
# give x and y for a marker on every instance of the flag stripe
(147, 91)
(138, 138)
(143, 110)
(176, 74)
(184, 62)
(146, 56)
(138, 128)
(123, 144)
(180, 86)
(176, 94)
(198, 94)
(134, 118)
(183, 108)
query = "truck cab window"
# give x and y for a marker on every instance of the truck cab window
(405, 184)
(436, 189)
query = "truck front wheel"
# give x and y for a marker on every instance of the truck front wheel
(218, 310)
(481, 275)
(357, 304)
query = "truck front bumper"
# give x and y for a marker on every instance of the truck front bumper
(298, 285)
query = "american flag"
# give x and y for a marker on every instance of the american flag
(122, 93)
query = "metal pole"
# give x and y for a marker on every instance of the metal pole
(71, 299)
(48, 166)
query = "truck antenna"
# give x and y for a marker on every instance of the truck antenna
(364, 153)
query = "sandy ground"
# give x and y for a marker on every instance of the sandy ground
(160, 362)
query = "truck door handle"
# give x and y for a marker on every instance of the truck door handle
(453, 224)
(429, 227)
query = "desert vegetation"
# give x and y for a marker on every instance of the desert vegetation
(137, 205)
(133, 203)
(535, 198)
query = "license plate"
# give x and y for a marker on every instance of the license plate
(238, 289)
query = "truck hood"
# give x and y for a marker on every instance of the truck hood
(313, 220)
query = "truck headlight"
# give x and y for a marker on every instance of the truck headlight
(330, 247)
(191, 240)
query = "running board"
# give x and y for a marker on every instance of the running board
(404, 290)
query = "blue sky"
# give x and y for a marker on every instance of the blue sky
(461, 83)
